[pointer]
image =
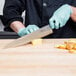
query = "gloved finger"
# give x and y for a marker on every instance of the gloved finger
(27, 31)
(61, 24)
(57, 24)
(22, 32)
(31, 30)
(51, 22)
(36, 28)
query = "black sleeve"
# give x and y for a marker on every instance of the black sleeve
(74, 3)
(13, 10)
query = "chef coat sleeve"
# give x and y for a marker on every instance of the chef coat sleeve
(74, 3)
(12, 11)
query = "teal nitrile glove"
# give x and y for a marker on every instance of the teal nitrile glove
(27, 30)
(60, 17)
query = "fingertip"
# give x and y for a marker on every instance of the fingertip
(51, 23)
(57, 25)
(31, 30)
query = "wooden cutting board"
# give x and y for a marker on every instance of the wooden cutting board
(40, 60)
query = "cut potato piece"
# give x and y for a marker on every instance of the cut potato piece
(61, 46)
(72, 51)
(74, 47)
(69, 45)
(36, 41)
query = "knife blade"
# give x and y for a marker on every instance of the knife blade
(42, 32)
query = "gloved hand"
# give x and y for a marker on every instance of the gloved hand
(60, 17)
(27, 30)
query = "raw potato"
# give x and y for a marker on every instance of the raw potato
(36, 42)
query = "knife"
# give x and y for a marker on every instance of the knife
(42, 32)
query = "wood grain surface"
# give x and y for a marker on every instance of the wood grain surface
(39, 60)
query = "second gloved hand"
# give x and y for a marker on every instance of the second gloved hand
(27, 30)
(60, 17)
